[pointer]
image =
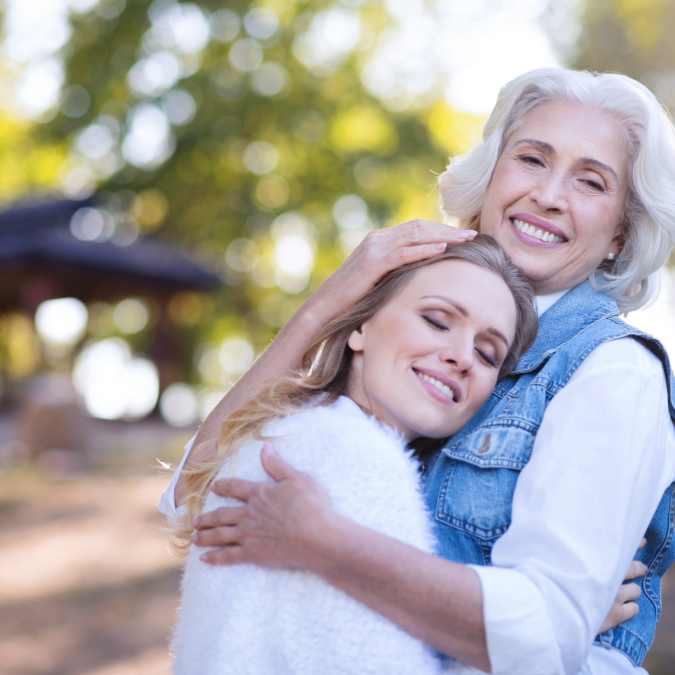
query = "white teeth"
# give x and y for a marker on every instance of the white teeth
(439, 385)
(548, 237)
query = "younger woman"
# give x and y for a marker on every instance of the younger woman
(413, 361)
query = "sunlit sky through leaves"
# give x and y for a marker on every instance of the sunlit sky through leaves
(470, 48)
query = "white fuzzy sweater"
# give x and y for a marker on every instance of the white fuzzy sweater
(247, 620)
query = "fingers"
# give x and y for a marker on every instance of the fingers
(410, 254)
(231, 555)
(629, 611)
(226, 515)
(420, 231)
(624, 608)
(418, 240)
(217, 536)
(643, 543)
(621, 613)
(274, 465)
(628, 593)
(636, 569)
(233, 487)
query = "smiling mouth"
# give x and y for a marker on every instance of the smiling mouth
(443, 388)
(537, 233)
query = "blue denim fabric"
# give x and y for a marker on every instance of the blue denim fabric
(469, 484)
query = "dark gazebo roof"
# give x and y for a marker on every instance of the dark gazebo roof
(36, 243)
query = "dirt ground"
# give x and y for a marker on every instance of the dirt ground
(88, 585)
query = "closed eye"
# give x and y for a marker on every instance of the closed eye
(435, 324)
(487, 358)
(529, 159)
(595, 185)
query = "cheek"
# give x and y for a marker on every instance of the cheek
(500, 194)
(481, 392)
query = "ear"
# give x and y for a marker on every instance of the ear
(616, 245)
(356, 340)
(619, 239)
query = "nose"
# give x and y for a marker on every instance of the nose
(549, 193)
(459, 354)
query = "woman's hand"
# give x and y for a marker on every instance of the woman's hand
(290, 524)
(625, 606)
(278, 524)
(380, 252)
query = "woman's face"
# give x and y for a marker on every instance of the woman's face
(428, 359)
(557, 194)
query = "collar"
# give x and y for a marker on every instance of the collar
(576, 310)
(545, 302)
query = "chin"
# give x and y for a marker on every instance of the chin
(437, 431)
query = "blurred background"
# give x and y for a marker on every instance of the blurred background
(175, 179)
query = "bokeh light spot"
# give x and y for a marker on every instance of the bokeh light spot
(294, 255)
(350, 212)
(261, 23)
(225, 25)
(75, 101)
(149, 141)
(371, 173)
(131, 316)
(272, 191)
(242, 255)
(179, 107)
(269, 79)
(149, 208)
(236, 355)
(182, 27)
(62, 321)
(155, 75)
(114, 384)
(260, 157)
(189, 308)
(91, 224)
(246, 55)
(178, 405)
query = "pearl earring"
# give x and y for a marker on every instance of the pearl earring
(610, 256)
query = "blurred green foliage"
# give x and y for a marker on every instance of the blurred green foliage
(272, 146)
(634, 37)
(271, 159)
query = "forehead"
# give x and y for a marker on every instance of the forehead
(576, 131)
(482, 292)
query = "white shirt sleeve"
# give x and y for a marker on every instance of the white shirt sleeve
(603, 457)
(167, 502)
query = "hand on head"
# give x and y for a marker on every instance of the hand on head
(382, 251)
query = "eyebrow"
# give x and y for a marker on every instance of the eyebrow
(464, 312)
(547, 147)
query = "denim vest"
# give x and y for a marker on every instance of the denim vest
(469, 484)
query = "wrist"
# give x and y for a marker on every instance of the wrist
(312, 316)
(329, 539)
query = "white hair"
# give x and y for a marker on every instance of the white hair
(648, 221)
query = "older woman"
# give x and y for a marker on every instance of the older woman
(541, 501)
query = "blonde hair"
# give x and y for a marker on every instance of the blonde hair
(648, 224)
(326, 363)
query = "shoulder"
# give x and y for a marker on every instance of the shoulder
(363, 466)
(625, 356)
(339, 444)
(341, 422)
